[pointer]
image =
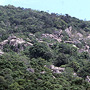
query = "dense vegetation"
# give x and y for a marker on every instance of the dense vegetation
(15, 63)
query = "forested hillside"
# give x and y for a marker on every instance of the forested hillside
(42, 51)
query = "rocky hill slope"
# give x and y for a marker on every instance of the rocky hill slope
(42, 51)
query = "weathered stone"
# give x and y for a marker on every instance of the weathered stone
(29, 44)
(68, 31)
(42, 72)
(79, 35)
(74, 74)
(52, 36)
(18, 43)
(70, 42)
(88, 78)
(56, 69)
(87, 47)
(1, 52)
(4, 42)
(30, 70)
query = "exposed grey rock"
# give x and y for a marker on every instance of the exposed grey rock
(87, 47)
(42, 72)
(82, 50)
(29, 44)
(56, 69)
(52, 36)
(88, 37)
(31, 34)
(4, 42)
(51, 66)
(79, 35)
(1, 52)
(18, 43)
(70, 42)
(40, 41)
(68, 31)
(58, 32)
(88, 78)
(30, 70)
(75, 74)
(76, 41)
(54, 77)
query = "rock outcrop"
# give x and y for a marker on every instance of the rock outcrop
(17, 43)
(55, 69)
(52, 36)
(68, 31)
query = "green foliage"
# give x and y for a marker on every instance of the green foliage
(3, 84)
(40, 50)
(74, 65)
(61, 59)
(15, 86)
(84, 71)
(84, 55)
